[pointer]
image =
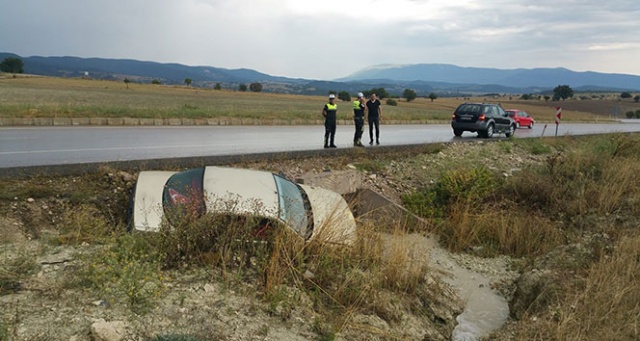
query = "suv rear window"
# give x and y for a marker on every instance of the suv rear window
(469, 109)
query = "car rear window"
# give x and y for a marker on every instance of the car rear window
(469, 109)
(184, 191)
(294, 206)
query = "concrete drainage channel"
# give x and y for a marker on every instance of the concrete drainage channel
(484, 309)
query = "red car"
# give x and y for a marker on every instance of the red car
(521, 118)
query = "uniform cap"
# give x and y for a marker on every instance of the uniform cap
(332, 96)
(360, 94)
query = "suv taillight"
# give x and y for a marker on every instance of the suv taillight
(481, 117)
(453, 117)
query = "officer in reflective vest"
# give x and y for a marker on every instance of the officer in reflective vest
(329, 113)
(358, 119)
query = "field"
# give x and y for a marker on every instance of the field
(26, 97)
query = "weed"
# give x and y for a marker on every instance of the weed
(84, 224)
(534, 146)
(324, 330)
(371, 166)
(14, 270)
(4, 331)
(130, 269)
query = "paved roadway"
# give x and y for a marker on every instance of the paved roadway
(43, 146)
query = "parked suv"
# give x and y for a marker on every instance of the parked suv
(484, 118)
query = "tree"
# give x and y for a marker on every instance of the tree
(432, 96)
(380, 93)
(242, 87)
(625, 95)
(409, 95)
(187, 81)
(12, 65)
(562, 92)
(127, 81)
(547, 98)
(217, 87)
(156, 82)
(637, 98)
(344, 96)
(255, 87)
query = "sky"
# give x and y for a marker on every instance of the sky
(330, 39)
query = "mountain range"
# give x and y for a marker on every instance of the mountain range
(442, 79)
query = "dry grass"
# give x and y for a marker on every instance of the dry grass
(65, 97)
(55, 97)
(604, 306)
(495, 231)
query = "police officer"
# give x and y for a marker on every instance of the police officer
(329, 113)
(358, 119)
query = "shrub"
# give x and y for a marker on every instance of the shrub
(392, 102)
(464, 185)
(630, 114)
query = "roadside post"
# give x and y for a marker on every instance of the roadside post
(558, 117)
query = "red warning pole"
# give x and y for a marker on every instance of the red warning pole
(558, 117)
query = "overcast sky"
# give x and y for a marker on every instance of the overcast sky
(331, 38)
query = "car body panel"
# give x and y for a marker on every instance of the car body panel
(148, 212)
(332, 216)
(243, 192)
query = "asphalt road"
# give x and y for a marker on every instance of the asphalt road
(42, 146)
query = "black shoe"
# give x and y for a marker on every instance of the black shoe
(326, 146)
(378, 142)
(370, 142)
(333, 146)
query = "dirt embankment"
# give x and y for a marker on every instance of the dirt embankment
(43, 296)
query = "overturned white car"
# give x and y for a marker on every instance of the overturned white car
(311, 212)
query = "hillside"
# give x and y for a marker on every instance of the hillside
(442, 79)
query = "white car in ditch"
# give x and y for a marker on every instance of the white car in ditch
(311, 212)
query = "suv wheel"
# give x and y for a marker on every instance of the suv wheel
(457, 132)
(531, 125)
(489, 132)
(509, 133)
(517, 124)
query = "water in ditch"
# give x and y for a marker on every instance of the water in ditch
(485, 311)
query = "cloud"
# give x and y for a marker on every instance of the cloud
(332, 38)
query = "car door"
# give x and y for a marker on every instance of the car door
(525, 119)
(501, 118)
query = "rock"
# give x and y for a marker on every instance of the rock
(126, 177)
(102, 330)
(30, 200)
(532, 291)
(309, 275)
(209, 288)
(101, 303)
